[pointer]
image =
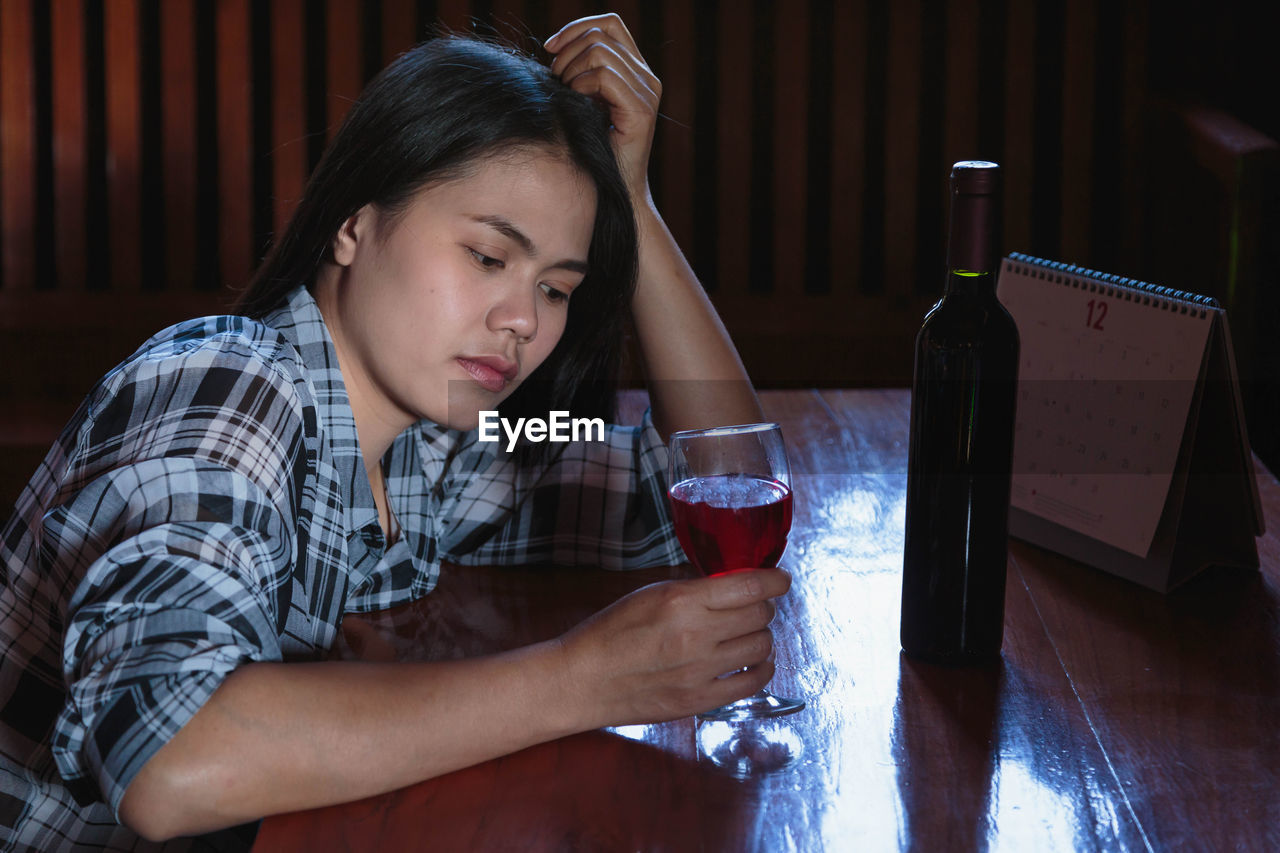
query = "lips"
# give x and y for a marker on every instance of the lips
(491, 371)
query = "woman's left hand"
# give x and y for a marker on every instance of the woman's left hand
(598, 57)
(695, 376)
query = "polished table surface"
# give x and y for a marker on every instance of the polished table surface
(1118, 719)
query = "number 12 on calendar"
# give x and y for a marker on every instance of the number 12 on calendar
(1097, 313)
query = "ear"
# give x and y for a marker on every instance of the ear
(349, 236)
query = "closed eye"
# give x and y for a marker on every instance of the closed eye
(554, 296)
(485, 261)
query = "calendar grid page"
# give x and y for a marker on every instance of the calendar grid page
(1105, 384)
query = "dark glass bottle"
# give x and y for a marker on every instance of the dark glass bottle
(961, 448)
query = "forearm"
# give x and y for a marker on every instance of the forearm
(283, 737)
(696, 378)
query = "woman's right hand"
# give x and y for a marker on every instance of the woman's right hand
(598, 57)
(658, 653)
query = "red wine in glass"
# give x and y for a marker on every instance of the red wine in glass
(731, 521)
(731, 504)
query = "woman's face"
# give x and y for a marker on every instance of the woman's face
(444, 311)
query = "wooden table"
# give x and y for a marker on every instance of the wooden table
(1119, 719)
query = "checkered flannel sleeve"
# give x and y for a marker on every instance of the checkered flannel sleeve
(179, 528)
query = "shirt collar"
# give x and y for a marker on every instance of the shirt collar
(300, 321)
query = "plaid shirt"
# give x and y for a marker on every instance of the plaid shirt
(208, 506)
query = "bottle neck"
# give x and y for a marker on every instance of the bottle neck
(972, 258)
(971, 282)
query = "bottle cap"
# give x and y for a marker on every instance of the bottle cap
(975, 216)
(975, 177)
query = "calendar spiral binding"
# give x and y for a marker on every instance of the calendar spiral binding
(1116, 287)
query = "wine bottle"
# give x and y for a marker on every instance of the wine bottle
(963, 397)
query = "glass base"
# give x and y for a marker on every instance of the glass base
(757, 706)
(750, 749)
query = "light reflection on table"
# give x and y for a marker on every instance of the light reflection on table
(1118, 718)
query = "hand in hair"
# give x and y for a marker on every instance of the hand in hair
(695, 376)
(598, 57)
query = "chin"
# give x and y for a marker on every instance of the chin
(463, 410)
(463, 423)
(454, 416)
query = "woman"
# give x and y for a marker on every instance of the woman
(180, 564)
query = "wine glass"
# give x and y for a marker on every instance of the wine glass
(730, 491)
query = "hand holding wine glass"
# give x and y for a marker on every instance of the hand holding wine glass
(730, 490)
(657, 654)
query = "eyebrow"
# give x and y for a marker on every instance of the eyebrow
(507, 228)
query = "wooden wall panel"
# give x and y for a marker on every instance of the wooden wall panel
(960, 100)
(800, 160)
(400, 29)
(124, 144)
(733, 145)
(178, 110)
(790, 47)
(848, 144)
(70, 160)
(561, 12)
(17, 149)
(633, 14)
(454, 15)
(818, 154)
(1080, 36)
(235, 198)
(1019, 113)
(960, 106)
(289, 103)
(677, 61)
(505, 17)
(902, 142)
(1131, 110)
(345, 66)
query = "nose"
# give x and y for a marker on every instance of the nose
(516, 310)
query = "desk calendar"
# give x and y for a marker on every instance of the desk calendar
(1130, 451)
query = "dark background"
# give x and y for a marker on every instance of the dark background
(151, 149)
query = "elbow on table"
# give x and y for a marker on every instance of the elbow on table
(155, 814)
(161, 805)
(150, 815)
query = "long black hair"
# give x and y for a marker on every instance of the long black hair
(430, 116)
